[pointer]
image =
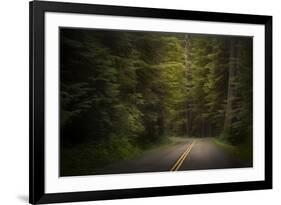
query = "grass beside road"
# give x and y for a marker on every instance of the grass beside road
(86, 158)
(242, 151)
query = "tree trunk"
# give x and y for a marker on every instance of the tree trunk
(187, 58)
(230, 90)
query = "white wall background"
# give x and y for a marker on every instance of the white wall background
(14, 100)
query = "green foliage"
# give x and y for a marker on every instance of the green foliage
(88, 158)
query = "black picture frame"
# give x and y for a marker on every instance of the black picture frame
(37, 193)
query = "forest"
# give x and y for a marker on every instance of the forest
(122, 92)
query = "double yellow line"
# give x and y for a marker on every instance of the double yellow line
(179, 162)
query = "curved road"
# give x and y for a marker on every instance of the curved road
(182, 154)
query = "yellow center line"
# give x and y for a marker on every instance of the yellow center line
(178, 161)
(185, 156)
(181, 159)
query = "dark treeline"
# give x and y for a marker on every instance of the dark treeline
(124, 91)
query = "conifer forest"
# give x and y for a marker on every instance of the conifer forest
(127, 97)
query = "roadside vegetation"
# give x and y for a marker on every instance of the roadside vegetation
(242, 151)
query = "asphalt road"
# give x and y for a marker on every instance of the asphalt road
(182, 154)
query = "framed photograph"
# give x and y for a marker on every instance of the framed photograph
(140, 102)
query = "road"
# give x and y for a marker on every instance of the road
(182, 154)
